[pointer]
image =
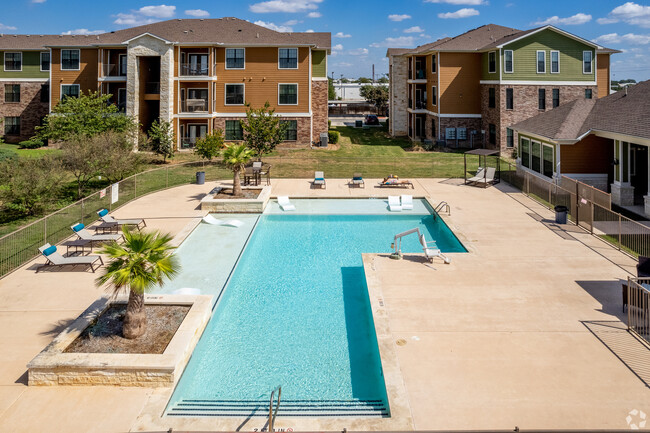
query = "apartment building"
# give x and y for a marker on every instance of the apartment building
(196, 73)
(470, 89)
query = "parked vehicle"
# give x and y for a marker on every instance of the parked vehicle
(371, 119)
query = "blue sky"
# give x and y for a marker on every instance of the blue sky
(361, 32)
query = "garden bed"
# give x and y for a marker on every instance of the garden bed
(220, 200)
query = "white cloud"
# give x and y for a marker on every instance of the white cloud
(398, 17)
(160, 11)
(415, 29)
(358, 52)
(38, 1)
(287, 6)
(273, 26)
(337, 47)
(402, 41)
(132, 20)
(342, 35)
(630, 38)
(309, 31)
(6, 27)
(83, 32)
(199, 13)
(606, 20)
(459, 2)
(576, 19)
(343, 64)
(630, 13)
(145, 15)
(314, 15)
(460, 13)
(291, 22)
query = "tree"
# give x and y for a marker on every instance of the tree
(162, 138)
(211, 145)
(377, 95)
(30, 185)
(263, 130)
(383, 80)
(81, 156)
(117, 158)
(142, 262)
(364, 80)
(235, 156)
(331, 92)
(86, 115)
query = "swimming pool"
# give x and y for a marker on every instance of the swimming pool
(296, 313)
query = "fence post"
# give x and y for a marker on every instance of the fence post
(619, 232)
(82, 211)
(135, 186)
(45, 230)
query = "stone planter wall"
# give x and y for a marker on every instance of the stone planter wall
(236, 205)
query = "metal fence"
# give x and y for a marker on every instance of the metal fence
(638, 307)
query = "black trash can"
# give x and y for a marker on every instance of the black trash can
(200, 177)
(358, 123)
(561, 213)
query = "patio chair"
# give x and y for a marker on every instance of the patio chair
(80, 231)
(209, 219)
(407, 202)
(394, 203)
(108, 219)
(56, 259)
(432, 251)
(480, 174)
(319, 179)
(357, 180)
(285, 204)
(488, 179)
(643, 267)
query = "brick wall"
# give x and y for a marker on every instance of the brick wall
(319, 107)
(470, 123)
(30, 109)
(303, 124)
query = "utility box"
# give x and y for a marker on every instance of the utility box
(323, 139)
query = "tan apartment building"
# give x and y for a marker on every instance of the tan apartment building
(198, 74)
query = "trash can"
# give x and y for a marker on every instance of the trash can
(561, 214)
(200, 177)
(358, 123)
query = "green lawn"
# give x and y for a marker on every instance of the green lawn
(12, 149)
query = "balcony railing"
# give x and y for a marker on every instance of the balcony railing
(194, 106)
(152, 88)
(188, 142)
(420, 104)
(193, 70)
(420, 74)
(112, 70)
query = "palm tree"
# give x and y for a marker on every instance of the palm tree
(235, 156)
(143, 261)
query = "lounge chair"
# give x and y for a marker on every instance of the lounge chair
(319, 179)
(480, 174)
(487, 179)
(407, 202)
(219, 222)
(108, 219)
(85, 234)
(56, 259)
(394, 182)
(285, 204)
(432, 251)
(357, 180)
(394, 204)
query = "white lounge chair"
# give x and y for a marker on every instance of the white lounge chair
(407, 202)
(110, 221)
(480, 174)
(56, 259)
(219, 222)
(285, 204)
(319, 179)
(187, 291)
(431, 250)
(394, 203)
(489, 177)
(85, 234)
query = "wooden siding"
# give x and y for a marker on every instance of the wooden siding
(485, 67)
(603, 74)
(31, 65)
(459, 91)
(590, 155)
(319, 63)
(432, 80)
(86, 76)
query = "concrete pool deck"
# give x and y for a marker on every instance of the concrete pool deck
(524, 330)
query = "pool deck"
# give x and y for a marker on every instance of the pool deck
(524, 330)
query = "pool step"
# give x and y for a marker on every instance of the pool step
(288, 408)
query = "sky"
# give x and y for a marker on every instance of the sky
(361, 32)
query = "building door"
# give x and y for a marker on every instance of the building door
(419, 127)
(639, 171)
(198, 64)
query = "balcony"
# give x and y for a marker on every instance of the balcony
(194, 106)
(420, 74)
(188, 142)
(112, 70)
(420, 104)
(194, 70)
(152, 88)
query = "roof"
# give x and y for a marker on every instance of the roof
(618, 113)
(226, 31)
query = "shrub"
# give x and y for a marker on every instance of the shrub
(333, 137)
(32, 143)
(162, 138)
(329, 123)
(211, 145)
(6, 154)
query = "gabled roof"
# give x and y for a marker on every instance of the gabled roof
(226, 31)
(618, 113)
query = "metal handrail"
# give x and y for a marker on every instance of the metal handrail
(274, 414)
(638, 308)
(443, 205)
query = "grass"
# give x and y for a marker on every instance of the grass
(12, 149)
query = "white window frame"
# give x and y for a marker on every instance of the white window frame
(4, 62)
(512, 61)
(61, 59)
(119, 65)
(288, 84)
(225, 94)
(591, 62)
(225, 59)
(61, 90)
(558, 62)
(434, 96)
(19, 93)
(40, 66)
(537, 61)
(297, 57)
(530, 151)
(495, 62)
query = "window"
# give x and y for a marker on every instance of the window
(510, 138)
(69, 91)
(288, 58)
(70, 60)
(510, 99)
(234, 131)
(45, 93)
(121, 99)
(45, 61)
(535, 156)
(541, 62)
(434, 95)
(492, 62)
(13, 61)
(555, 62)
(492, 133)
(524, 151)
(197, 65)
(542, 99)
(122, 65)
(508, 65)
(450, 133)
(12, 125)
(492, 97)
(291, 133)
(287, 94)
(587, 62)
(234, 94)
(588, 94)
(434, 65)
(556, 97)
(12, 92)
(547, 161)
(461, 133)
(235, 58)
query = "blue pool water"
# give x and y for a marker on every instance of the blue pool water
(296, 313)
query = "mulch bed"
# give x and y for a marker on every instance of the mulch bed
(246, 193)
(105, 334)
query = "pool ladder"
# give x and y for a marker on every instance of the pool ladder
(274, 413)
(443, 205)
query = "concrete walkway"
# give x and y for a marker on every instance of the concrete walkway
(522, 330)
